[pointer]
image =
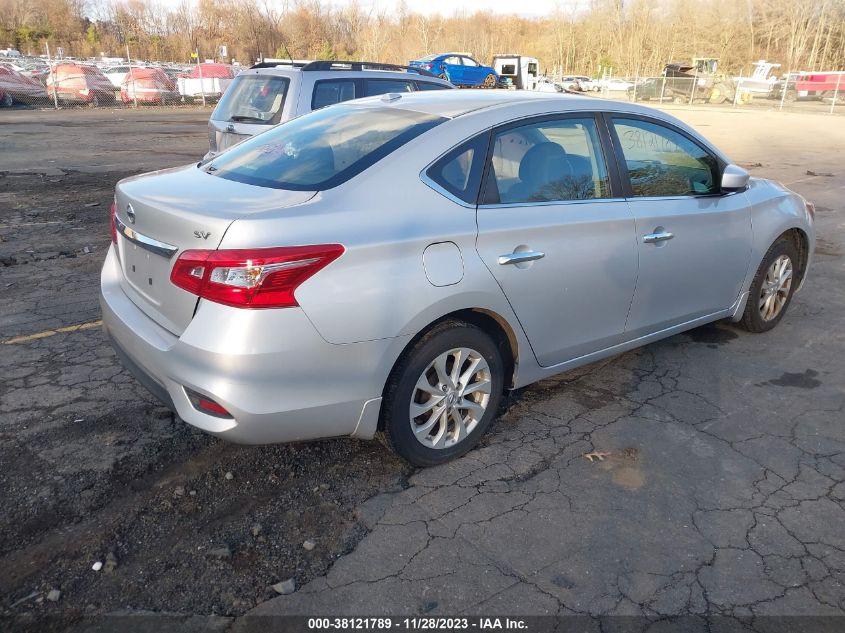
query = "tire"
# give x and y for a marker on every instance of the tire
(95, 102)
(490, 81)
(678, 99)
(443, 76)
(759, 315)
(434, 436)
(6, 101)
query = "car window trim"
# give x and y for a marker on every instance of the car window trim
(616, 192)
(356, 82)
(622, 165)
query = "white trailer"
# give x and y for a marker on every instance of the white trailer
(521, 70)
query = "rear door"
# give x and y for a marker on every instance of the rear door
(694, 242)
(454, 69)
(556, 236)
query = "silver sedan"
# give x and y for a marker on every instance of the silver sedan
(393, 264)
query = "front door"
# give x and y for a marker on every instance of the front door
(694, 242)
(560, 244)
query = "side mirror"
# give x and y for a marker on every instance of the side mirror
(734, 178)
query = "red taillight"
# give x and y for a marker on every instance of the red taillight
(112, 213)
(251, 278)
(427, 66)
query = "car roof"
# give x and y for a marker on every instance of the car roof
(459, 102)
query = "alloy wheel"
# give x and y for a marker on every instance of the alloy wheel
(775, 289)
(450, 398)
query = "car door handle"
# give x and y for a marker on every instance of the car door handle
(518, 258)
(651, 238)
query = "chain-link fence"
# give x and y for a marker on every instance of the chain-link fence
(808, 92)
(47, 82)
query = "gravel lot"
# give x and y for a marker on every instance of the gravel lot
(724, 492)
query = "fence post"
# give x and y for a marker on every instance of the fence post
(202, 82)
(636, 81)
(663, 86)
(694, 86)
(736, 91)
(53, 75)
(785, 89)
(835, 92)
(132, 77)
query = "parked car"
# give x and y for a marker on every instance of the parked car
(16, 88)
(149, 86)
(272, 92)
(80, 84)
(581, 83)
(207, 80)
(614, 85)
(393, 263)
(116, 74)
(459, 69)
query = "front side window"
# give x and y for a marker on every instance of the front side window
(548, 161)
(253, 99)
(663, 162)
(332, 91)
(322, 149)
(377, 87)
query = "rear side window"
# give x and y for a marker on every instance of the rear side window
(663, 162)
(255, 99)
(430, 85)
(329, 92)
(322, 149)
(377, 87)
(459, 171)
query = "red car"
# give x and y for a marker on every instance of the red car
(77, 83)
(821, 85)
(15, 88)
(148, 85)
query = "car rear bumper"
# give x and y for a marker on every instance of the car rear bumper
(269, 368)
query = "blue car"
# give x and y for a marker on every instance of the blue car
(459, 68)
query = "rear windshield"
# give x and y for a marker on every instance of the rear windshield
(253, 99)
(322, 149)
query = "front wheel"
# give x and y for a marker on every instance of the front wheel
(490, 81)
(6, 100)
(443, 394)
(772, 288)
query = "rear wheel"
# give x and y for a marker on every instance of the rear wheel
(443, 394)
(6, 100)
(490, 81)
(95, 102)
(772, 287)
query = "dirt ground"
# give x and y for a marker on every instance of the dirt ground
(93, 470)
(91, 465)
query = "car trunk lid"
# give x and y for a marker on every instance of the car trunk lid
(161, 216)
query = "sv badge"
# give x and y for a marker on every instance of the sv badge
(202, 234)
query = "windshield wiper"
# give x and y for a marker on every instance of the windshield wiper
(238, 118)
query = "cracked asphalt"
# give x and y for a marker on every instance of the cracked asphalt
(720, 489)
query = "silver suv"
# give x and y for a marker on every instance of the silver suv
(275, 91)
